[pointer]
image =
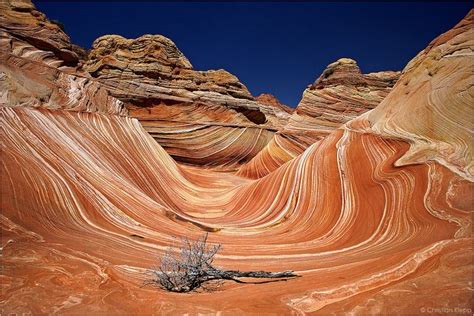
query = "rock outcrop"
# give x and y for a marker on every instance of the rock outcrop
(21, 22)
(432, 106)
(340, 94)
(271, 100)
(376, 217)
(38, 65)
(200, 117)
(205, 118)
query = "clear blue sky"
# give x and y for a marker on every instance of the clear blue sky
(274, 47)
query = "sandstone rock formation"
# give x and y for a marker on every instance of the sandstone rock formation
(432, 106)
(376, 217)
(38, 67)
(271, 100)
(340, 94)
(200, 117)
(20, 20)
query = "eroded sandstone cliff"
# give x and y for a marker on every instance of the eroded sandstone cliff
(376, 217)
(39, 65)
(340, 94)
(200, 117)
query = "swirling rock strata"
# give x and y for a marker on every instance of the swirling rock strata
(38, 66)
(341, 215)
(90, 200)
(432, 106)
(200, 117)
(340, 94)
(21, 20)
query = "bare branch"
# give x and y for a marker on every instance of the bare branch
(187, 269)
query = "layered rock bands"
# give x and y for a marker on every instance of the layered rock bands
(372, 204)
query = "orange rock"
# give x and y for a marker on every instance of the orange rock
(20, 19)
(340, 94)
(271, 100)
(432, 106)
(205, 118)
(90, 200)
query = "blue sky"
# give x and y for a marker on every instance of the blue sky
(273, 47)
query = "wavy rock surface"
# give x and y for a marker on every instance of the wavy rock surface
(432, 106)
(200, 117)
(36, 65)
(340, 94)
(21, 21)
(89, 200)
